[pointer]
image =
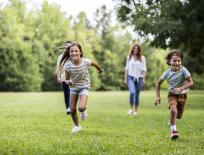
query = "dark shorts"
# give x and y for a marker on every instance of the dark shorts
(178, 100)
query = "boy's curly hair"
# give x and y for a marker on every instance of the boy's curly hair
(173, 52)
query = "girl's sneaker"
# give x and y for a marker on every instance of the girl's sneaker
(130, 112)
(84, 115)
(76, 129)
(174, 135)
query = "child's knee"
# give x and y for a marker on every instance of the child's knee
(82, 109)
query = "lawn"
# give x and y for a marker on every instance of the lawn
(36, 123)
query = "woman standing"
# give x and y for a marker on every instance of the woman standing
(135, 72)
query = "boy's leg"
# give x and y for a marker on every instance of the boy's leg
(73, 103)
(173, 113)
(181, 105)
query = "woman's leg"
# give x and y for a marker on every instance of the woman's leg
(131, 87)
(73, 103)
(138, 87)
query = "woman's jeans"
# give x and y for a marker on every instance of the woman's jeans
(134, 86)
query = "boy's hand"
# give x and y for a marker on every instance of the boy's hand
(100, 71)
(157, 101)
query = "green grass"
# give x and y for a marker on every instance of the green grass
(36, 123)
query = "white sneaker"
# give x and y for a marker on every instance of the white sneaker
(130, 112)
(76, 129)
(68, 110)
(134, 113)
(84, 115)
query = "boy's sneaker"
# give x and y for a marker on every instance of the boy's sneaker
(130, 112)
(76, 129)
(174, 135)
(68, 110)
(84, 115)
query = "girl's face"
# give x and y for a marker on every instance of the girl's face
(175, 63)
(135, 50)
(75, 53)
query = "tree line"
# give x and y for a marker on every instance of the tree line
(28, 39)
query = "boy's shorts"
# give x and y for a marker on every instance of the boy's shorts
(79, 91)
(179, 100)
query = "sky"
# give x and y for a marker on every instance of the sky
(73, 7)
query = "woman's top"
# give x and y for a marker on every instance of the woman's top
(136, 68)
(79, 74)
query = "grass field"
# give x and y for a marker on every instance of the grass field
(36, 123)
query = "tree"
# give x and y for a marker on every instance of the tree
(174, 24)
(19, 71)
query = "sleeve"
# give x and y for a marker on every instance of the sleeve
(66, 67)
(127, 63)
(164, 75)
(144, 65)
(87, 62)
(186, 72)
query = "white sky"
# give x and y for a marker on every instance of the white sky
(73, 7)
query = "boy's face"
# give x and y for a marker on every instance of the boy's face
(175, 63)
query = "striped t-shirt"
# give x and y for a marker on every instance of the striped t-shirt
(79, 74)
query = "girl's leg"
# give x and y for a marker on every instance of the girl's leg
(73, 103)
(82, 102)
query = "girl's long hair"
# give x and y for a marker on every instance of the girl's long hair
(139, 53)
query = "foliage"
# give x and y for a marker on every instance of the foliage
(174, 24)
(28, 39)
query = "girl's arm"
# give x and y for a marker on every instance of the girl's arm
(68, 81)
(158, 99)
(99, 68)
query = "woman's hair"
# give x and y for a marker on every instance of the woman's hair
(138, 55)
(174, 52)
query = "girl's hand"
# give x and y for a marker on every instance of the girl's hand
(100, 71)
(69, 82)
(157, 101)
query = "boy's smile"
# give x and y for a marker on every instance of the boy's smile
(175, 63)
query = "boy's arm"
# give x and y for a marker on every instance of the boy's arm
(99, 68)
(158, 99)
(187, 84)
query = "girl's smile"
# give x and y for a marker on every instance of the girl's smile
(75, 54)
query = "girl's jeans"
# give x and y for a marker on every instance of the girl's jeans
(134, 86)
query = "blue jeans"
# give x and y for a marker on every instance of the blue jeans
(66, 94)
(134, 86)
